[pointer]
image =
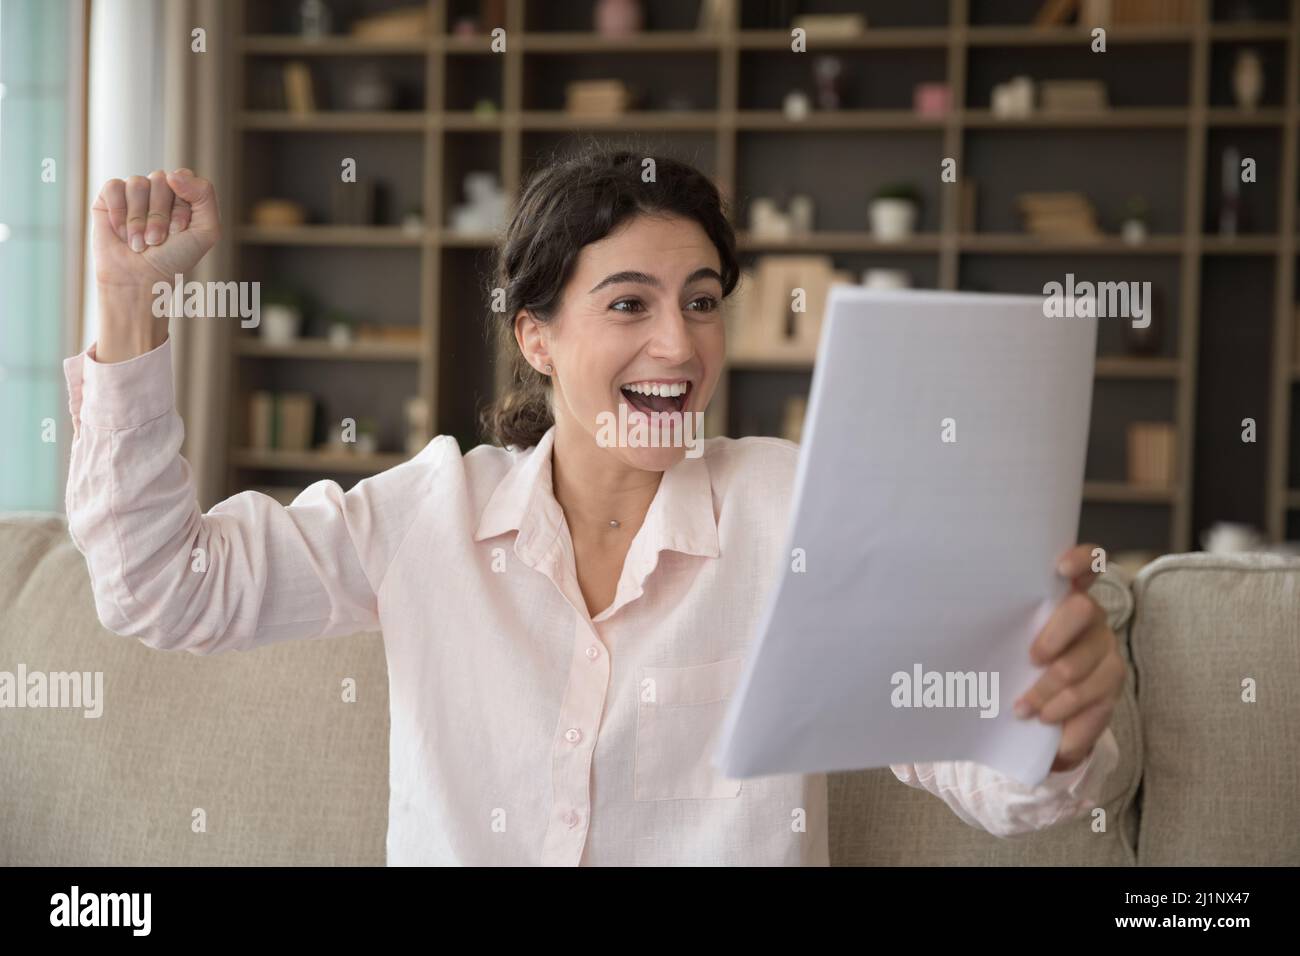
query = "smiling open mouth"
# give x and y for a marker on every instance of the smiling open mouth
(657, 396)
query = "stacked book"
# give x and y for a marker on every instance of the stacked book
(1072, 96)
(597, 98)
(281, 420)
(299, 89)
(1105, 13)
(396, 25)
(1151, 454)
(830, 26)
(1058, 215)
(1146, 12)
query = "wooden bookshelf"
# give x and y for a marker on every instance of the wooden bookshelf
(1020, 244)
(1118, 491)
(1126, 117)
(883, 120)
(391, 121)
(289, 45)
(329, 236)
(324, 350)
(837, 242)
(750, 147)
(1069, 36)
(1240, 245)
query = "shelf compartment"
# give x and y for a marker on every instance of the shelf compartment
(878, 79)
(822, 120)
(274, 44)
(313, 235)
(1244, 244)
(831, 241)
(1123, 117)
(1010, 243)
(689, 120)
(318, 349)
(648, 41)
(1125, 366)
(1119, 492)
(329, 121)
(994, 36)
(905, 38)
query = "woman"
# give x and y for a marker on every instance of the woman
(564, 617)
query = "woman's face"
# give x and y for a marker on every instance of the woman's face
(637, 342)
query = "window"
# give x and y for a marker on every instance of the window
(40, 63)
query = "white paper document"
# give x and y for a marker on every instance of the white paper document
(939, 479)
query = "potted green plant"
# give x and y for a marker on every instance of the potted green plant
(413, 220)
(893, 211)
(341, 328)
(1134, 229)
(367, 436)
(280, 317)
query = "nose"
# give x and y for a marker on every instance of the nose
(671, 341)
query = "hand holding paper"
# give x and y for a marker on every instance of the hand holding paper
(1084, 671)
(938, 486)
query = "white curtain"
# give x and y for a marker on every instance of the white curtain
(124, 108)
(157, 103)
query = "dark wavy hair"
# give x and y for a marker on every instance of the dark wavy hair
(566, 204)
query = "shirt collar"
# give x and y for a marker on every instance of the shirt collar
(680, 518)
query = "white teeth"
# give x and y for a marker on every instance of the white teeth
(646, 388)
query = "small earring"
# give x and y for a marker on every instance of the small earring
(549, 369)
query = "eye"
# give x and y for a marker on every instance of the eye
(635, 302)
(710, 304)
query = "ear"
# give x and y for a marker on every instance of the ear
(530, 334)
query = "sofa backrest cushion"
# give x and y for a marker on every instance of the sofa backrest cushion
(1222, 777)
(284, 771)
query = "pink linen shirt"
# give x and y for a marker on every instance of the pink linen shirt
(521, 729)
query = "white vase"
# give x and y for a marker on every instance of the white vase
(796, 105)
(1248, 79)
(892, 220)
(1013, 99)
(761, 211)
(801, 214)
(886, 279)
(280, 324)
(618, 18)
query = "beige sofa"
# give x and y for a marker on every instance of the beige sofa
(264, 751)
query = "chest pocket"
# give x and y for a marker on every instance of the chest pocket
(679, 715)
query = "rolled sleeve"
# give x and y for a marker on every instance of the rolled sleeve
(119, 394)
(992, 801)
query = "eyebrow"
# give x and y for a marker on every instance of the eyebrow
(644, 278)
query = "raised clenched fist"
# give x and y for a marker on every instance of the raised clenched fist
(150, 227)
(146, 229)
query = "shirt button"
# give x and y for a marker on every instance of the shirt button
(593, 652)
(570, 819)
(573, 735)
